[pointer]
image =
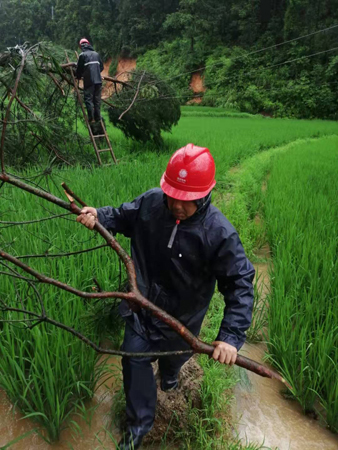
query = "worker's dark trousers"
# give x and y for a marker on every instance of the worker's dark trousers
(139, 380)
(92, 98)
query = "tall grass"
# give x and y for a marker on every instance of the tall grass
(230, 139)
(302, 221)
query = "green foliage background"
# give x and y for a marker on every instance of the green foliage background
(172, 37)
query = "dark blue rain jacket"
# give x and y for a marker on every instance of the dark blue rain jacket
(89, 66)
(181, 280)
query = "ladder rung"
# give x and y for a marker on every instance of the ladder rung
(103, 150)
(98, 135)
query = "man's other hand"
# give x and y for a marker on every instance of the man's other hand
(224, 353)
(88, 217)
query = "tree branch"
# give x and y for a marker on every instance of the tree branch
(87, 341)
(65, 287)
(12, 224)
(59, 255)
(70, 192)
(134, 296)
(57, 84)
(50, 147)
(135, 96)
(8, 111)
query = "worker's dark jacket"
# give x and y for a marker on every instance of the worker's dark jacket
(181, 280)
(89, 66)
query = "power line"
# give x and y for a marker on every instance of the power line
(252, 71)
(250, 53)
(227, 91)
(246, 55)
(301, 57)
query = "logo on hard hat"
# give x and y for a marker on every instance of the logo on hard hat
(183, 173)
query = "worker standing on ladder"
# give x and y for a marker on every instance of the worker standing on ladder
(90, 66)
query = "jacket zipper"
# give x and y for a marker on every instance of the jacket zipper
(173, 234)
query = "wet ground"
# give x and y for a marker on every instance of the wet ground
(12, 425)
(263, 415)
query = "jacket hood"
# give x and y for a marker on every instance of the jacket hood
(85, 47)
(202, 206)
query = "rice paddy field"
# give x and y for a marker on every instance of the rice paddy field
(49, 374)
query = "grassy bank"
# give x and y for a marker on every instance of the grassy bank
(301, 226)
(302, 215)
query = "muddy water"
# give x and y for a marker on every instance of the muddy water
(12, 425)
(263, 415)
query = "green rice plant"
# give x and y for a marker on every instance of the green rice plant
(301, 213)
(230, 139)
(17, 439)
(257, 328)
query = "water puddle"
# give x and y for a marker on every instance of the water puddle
(265, 416)
(12, 425)
(262, 415)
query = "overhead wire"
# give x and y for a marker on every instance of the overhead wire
(188, 96)
(189, 93)
(247, 73)
(251, 53)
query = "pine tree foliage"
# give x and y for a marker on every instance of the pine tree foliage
(42, 118)
(155, 108)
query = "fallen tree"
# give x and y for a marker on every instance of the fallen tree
(41, 121)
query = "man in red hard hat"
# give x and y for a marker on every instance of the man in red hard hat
(181, 246)
(90, 66)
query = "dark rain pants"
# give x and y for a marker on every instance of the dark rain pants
(139, 380)
(92, 99)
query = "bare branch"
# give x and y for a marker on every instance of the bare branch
(21, 103)
(70, 192)
(87, 341)
(8, 111)
(115, 80)
(16, 276)
(57, 84)
(50, 147)
(59, 255)
(135, 96)
(108, 104)
(47, 280)
(98, 286)
(12, 224)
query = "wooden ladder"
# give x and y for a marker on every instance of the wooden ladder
(93, 136)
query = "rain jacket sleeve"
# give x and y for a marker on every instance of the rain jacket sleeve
(234, 274)
(122, 219)
(80, 67)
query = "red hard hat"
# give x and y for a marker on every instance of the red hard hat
(84, 41)
(190, 174)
